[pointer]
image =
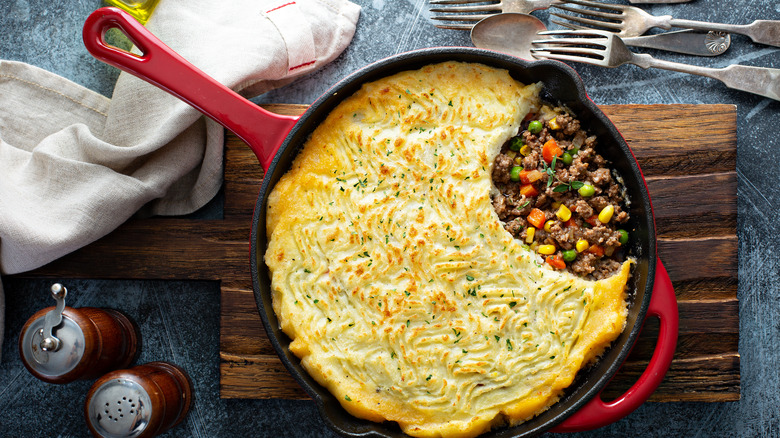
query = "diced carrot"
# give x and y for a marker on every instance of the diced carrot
(593, 220)
(596, 249)
(550, 150)
(556, 261)
(536, 218)
(570, 223)
(530, 176)
(528, 190)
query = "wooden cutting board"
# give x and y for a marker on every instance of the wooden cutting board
(687, 154)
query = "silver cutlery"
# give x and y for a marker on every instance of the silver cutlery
(471, 13)
(606, 49)
(689, 42)
(630, 21)
(513, 33)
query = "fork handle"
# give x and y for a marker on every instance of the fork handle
(762, 81)
(760, 31)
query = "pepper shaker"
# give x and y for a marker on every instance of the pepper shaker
(140, 402)
(61, 344)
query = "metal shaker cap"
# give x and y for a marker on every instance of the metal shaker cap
(119, 408)
(53, 344)
(140, 402)
(57, 363)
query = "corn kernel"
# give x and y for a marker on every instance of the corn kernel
(563, 213)
(553, 124)
(546, 249)
(606, 214)
(519, 161)
(548, 225)
(582, 245)
(525, 150)
(529, 234)
(534, 246)
(556, 205)
(511, 154)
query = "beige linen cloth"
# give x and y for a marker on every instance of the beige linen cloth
(74, 164)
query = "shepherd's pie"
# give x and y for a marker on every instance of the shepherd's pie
(401, 290)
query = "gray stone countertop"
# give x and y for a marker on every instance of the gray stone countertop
(180, 320)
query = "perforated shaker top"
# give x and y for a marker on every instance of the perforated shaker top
(120, 408)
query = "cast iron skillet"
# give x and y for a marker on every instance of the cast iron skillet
(276, 140)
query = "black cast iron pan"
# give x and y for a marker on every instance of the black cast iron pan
(276, 140)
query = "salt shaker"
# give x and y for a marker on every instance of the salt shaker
(139, 402)
(62, 344)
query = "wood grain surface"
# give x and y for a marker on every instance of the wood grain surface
(687, 154)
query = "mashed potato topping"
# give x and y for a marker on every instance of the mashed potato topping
(401, 290)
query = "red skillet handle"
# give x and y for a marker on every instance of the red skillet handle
(262, 130)
(596, 413)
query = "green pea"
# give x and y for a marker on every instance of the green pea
(535, 127)
(574, 151)
(567, 158)
(623, 236)
(587, 190)
(514, 174)
(516, 144)
(569, 255)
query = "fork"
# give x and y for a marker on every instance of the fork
(471, 12)
(606, 49)
(630, 21)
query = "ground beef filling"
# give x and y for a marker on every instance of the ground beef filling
(556, 194)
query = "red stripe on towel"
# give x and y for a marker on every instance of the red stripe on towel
(302, 65)
(280, 7)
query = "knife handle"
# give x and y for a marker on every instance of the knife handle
(689, 42)
(760, 31)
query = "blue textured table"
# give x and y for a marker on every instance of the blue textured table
(48, 35)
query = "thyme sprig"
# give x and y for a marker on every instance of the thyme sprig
(550, 170)
(574, 185)
(563, 186)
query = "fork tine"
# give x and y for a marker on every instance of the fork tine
(581, 59)
(569, 44)
(589, 22)
(592, 4)
(471, 17)
(597, 53)
(472, 8)
(454, 26)
(581, 34)
(569, 25)
(592, 13)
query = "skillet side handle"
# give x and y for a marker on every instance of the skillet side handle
(596, 413)
(159, 65)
